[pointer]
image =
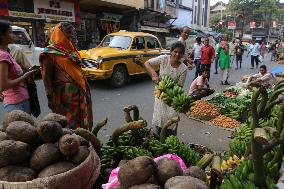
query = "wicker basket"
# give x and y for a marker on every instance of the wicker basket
(81, 177)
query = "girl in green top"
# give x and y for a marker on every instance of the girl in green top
(224, 61)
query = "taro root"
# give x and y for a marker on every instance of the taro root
(13, 152)
(196, 172)
(17, 174)
(145, 186)
(3, 136)
(67, 131)
(167, 168)
(69, 145)
(56, 117)
(83, 141)
(49, 131)
(22, 131)
(44, 155)
(16, 115)
(55, 169)
(182, 182)
(81, 155)
(136, 171)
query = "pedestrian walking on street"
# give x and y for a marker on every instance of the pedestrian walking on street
(240, 48)
(12, 78)
(207, 56)
(217, 56)
(254, 50)
(66, 88)
(232, 47)
(262, 51)
(172, 66)
(224, 61)
(184, 34)
(274, 49)
(197, 55)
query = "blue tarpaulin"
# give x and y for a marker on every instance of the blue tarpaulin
(277, 69)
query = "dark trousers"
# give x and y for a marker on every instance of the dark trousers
(197, 63)
(197, 95)
(208, 66)
(216, 63)
(254, 59)
(239, 59)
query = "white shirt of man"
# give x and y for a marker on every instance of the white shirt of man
(197, 83)
(197, 50)
(254, 49)
(265, 80)
(187, 52)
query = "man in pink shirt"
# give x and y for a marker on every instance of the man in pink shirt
(197, 88)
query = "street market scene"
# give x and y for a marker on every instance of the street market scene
(141, 94)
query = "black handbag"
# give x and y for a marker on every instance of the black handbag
(34, 103)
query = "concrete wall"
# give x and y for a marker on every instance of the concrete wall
(138, 4)
(184, 18)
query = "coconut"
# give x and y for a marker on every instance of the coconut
(69, 145)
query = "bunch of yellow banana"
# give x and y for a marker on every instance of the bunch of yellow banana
(165, 83)
(231, 163)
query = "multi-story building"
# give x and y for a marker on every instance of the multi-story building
(218, 8)
(184, 14)
(201, 13)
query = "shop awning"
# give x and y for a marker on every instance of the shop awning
(155, 29)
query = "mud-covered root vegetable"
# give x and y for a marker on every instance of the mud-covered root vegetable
(22, 131)
(81, 155)
(13, 152)
(146, 186)
(49, 131)
(62, 120)
(16, 115)
(99, 126)
(167, 168)
(136, 171)
(89, 136)
(169, 123)
(196, 172)
(67, 131)
(3, 136)
(69, 145)
(17, 174)
(44, 155)
(185, 182)
(55, 169)
(128, 126)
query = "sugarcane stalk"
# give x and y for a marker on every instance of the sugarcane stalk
(99, 125)
(205, 161)
(273, 131)
(256, 148)
(275, 94)
(216, 165)
(170, 122)
(126, 127)
(263, 102)
(260, 136)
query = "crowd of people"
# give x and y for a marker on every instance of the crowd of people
(67, 89)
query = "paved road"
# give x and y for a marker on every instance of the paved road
(109, 102)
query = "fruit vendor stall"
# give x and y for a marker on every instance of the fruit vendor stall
(46, 154)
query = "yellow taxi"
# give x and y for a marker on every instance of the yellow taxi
(120, 55)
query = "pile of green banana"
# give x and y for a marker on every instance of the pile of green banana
(156, 147)
(173, 95)
(244, 132)
(131, 152)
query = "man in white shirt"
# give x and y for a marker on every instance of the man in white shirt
(254, 50)
(197, 55)
(184, 34)
(263, 78)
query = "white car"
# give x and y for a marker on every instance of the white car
(23, 41)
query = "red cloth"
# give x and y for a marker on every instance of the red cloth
(207, 54)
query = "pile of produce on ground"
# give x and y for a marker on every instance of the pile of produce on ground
(173, 95)
(204, 110)
(226, 122)
(30, 149)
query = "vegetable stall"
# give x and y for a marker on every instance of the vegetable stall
(46, 154)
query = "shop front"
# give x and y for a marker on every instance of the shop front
(38, 17)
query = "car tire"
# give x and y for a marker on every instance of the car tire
(119, 77)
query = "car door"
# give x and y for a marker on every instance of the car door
(153, 49)
(138, 49)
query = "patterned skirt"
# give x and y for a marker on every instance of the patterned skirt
(71, 102)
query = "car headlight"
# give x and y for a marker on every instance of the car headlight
(90, 63)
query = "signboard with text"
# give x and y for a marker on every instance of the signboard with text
(231, 25)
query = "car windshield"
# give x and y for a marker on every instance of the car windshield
(20, 38)
(116, 41)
